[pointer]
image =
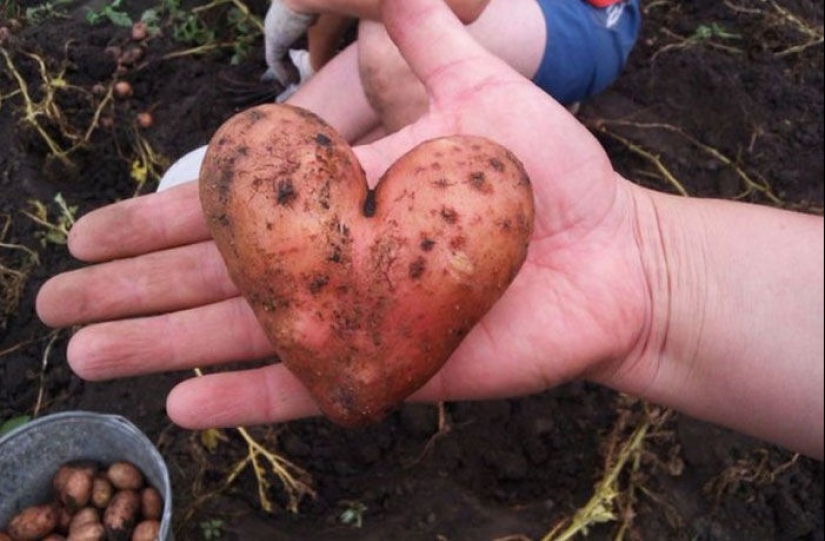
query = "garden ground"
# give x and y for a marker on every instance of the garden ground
(720, 99)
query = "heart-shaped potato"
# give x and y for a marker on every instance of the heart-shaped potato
(364, 294)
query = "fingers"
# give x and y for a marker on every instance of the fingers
(266, 395)
(140, 225)
(272, 394)
(226, 331)
(158, 282)
(432, 39)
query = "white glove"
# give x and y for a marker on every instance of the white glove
(282, 27)
(299, 57)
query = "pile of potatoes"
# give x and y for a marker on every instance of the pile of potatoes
(92, 503)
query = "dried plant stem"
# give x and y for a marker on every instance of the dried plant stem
(201, 49)
(47, 107)
(263, 461)
(750, 185)
(599, 508)
(610, 501)
(44, 365)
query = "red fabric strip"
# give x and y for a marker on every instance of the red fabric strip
(603, 3)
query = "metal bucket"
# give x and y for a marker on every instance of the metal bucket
(32, 453)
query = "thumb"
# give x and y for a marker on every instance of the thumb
(431, 39)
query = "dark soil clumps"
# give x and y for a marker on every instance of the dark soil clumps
(727, 96)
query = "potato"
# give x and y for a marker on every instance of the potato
(151, 504)
(102, 491)
(84, 517)
(146, 531)
(91, 531)
(120, 517)
(33, 523)
(5, 537)
(64, 519)
(73, 485)
(364, 294)
(51, 537)
(125, 476)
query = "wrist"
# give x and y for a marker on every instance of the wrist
(733, 332)
(661, 247)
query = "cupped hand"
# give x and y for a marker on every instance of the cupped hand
(159, 298)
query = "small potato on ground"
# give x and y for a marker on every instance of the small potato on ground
(123, 90)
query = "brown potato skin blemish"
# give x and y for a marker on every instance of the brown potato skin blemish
(286, 193)
(318, 283)
(417, 268)
(323, 140)
(478, 180)
(497, 164)
(449, 215)
(255, 115)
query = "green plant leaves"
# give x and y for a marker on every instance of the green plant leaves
(13, 423)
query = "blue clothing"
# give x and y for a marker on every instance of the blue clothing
(587, 47)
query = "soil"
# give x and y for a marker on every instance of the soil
(727, 97)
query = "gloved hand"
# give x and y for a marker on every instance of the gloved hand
(300, 59)
(282, 27)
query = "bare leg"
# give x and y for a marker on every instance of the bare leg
(513, 30)
(336, 95)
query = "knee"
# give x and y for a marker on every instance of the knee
(390, 86)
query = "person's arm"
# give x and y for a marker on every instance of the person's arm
(736, 334)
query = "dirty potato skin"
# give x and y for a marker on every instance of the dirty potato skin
(73, 485)
(364, 294)
(120, 517)
(33, 523)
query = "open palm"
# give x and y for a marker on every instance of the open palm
(161, 298)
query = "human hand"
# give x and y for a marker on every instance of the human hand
(282, 26)
(160, 298)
